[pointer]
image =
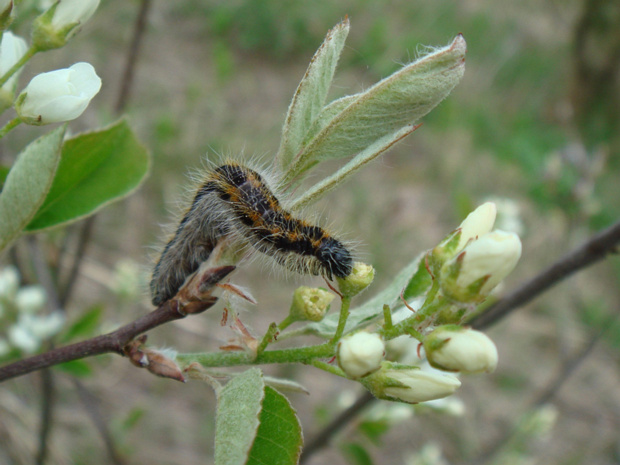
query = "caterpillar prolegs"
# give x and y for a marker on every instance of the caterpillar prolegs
(235, 201)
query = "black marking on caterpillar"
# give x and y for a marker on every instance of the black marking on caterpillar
(235, 201)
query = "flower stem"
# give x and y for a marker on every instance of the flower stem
(223, 359)
(286, 322)
(328, 368)
(9, 126)
(267, 338)
(21, 62)
(342, 321)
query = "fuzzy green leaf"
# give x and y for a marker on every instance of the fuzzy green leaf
(364, 157)
(279, 439)
(397, 101)
(95, 169)
(28, 183)
(311, 93)
(238, 409)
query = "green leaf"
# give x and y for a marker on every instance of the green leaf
(96, 168)
(371, 310)
(355, 122)
(373, 430)
(4, 172)
(28, 183)
(365, 156)
(279, 439)
(77, 368)
(419, 283)
(356, 454)
(237, 421)
(311, 93)
(85, 326)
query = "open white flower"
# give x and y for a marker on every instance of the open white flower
(60, 95)
(360, 354)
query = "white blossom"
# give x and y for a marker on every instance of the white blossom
(419, 385)
(9, 282)
(461, 349)
(477, 223)
(360, 354)
(12, 49)
(69, 12)
(60, 95)
(30, 299)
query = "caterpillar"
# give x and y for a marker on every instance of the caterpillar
(235, 201)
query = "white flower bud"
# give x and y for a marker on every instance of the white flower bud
(60, 95)
(477, 223)
(44, 326)
(360, 354)
(30, 299)
(409, 384)
(481, 266)
(23, 339)
(61, 22)
(454, 348)
(12, 49)
(70, 12)
(9, 282)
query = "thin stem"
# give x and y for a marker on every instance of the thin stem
(94, 412)
(83, 240)
(226, 359)
(9, 126)
(21, 62)
(328, 368)
(286, 322)
(342, 320)
(267, 338)
(387, 318)
(47, 410)
(132, 56)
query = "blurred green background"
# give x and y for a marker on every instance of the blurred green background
(535, 120)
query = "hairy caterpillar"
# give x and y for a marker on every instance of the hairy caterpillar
(235, 201)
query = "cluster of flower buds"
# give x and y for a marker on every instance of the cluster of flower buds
(474, 259)
(466, 265)
(361, 357)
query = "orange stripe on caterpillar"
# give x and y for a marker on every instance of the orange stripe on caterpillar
(235, 201)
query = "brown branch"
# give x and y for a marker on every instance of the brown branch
(596, 248)
(132, 56)
(194, 297)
